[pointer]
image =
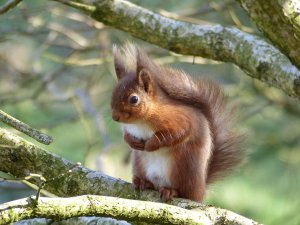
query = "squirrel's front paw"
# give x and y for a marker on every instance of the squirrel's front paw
(135, 143)
(151, 145)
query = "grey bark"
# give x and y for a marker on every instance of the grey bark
(255, 56)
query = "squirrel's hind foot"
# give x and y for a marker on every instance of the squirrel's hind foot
(142, 184)
(167, 194)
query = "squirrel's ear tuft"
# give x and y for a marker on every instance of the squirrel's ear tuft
(142, 61)
(145, 81)
(119, 64)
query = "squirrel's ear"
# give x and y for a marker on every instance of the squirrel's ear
(118, 63)
(145, 81)
(143, 67)
(142, 60)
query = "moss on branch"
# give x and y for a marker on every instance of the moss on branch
(21, 158)
(280, 23)
(89, 205)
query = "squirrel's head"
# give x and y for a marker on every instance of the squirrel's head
(135, 90)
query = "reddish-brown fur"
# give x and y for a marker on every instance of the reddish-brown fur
(187, 116)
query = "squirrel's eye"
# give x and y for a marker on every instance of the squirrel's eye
(133, 99)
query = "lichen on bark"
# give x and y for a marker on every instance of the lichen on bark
(280, 22)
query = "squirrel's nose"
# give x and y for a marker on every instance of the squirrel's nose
(115, 117)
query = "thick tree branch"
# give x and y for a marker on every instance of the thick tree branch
(280, 22)
(90, 205)
(21, 158)
(252, 54)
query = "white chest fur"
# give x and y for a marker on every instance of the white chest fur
(157, 166)
(156, 163)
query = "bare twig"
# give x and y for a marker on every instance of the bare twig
(9, 5)
(24, 128)
(77, 4)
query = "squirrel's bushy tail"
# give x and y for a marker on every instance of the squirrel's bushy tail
(209, 98)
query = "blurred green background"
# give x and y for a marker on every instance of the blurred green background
(56, 74)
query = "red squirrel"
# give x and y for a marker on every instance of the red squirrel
(177, 126)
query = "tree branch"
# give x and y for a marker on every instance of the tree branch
(252, 54)
(24, 128)
(21, 158)
(89, 205)
(280, 23)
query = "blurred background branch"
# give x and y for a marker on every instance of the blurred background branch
(8, 5)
